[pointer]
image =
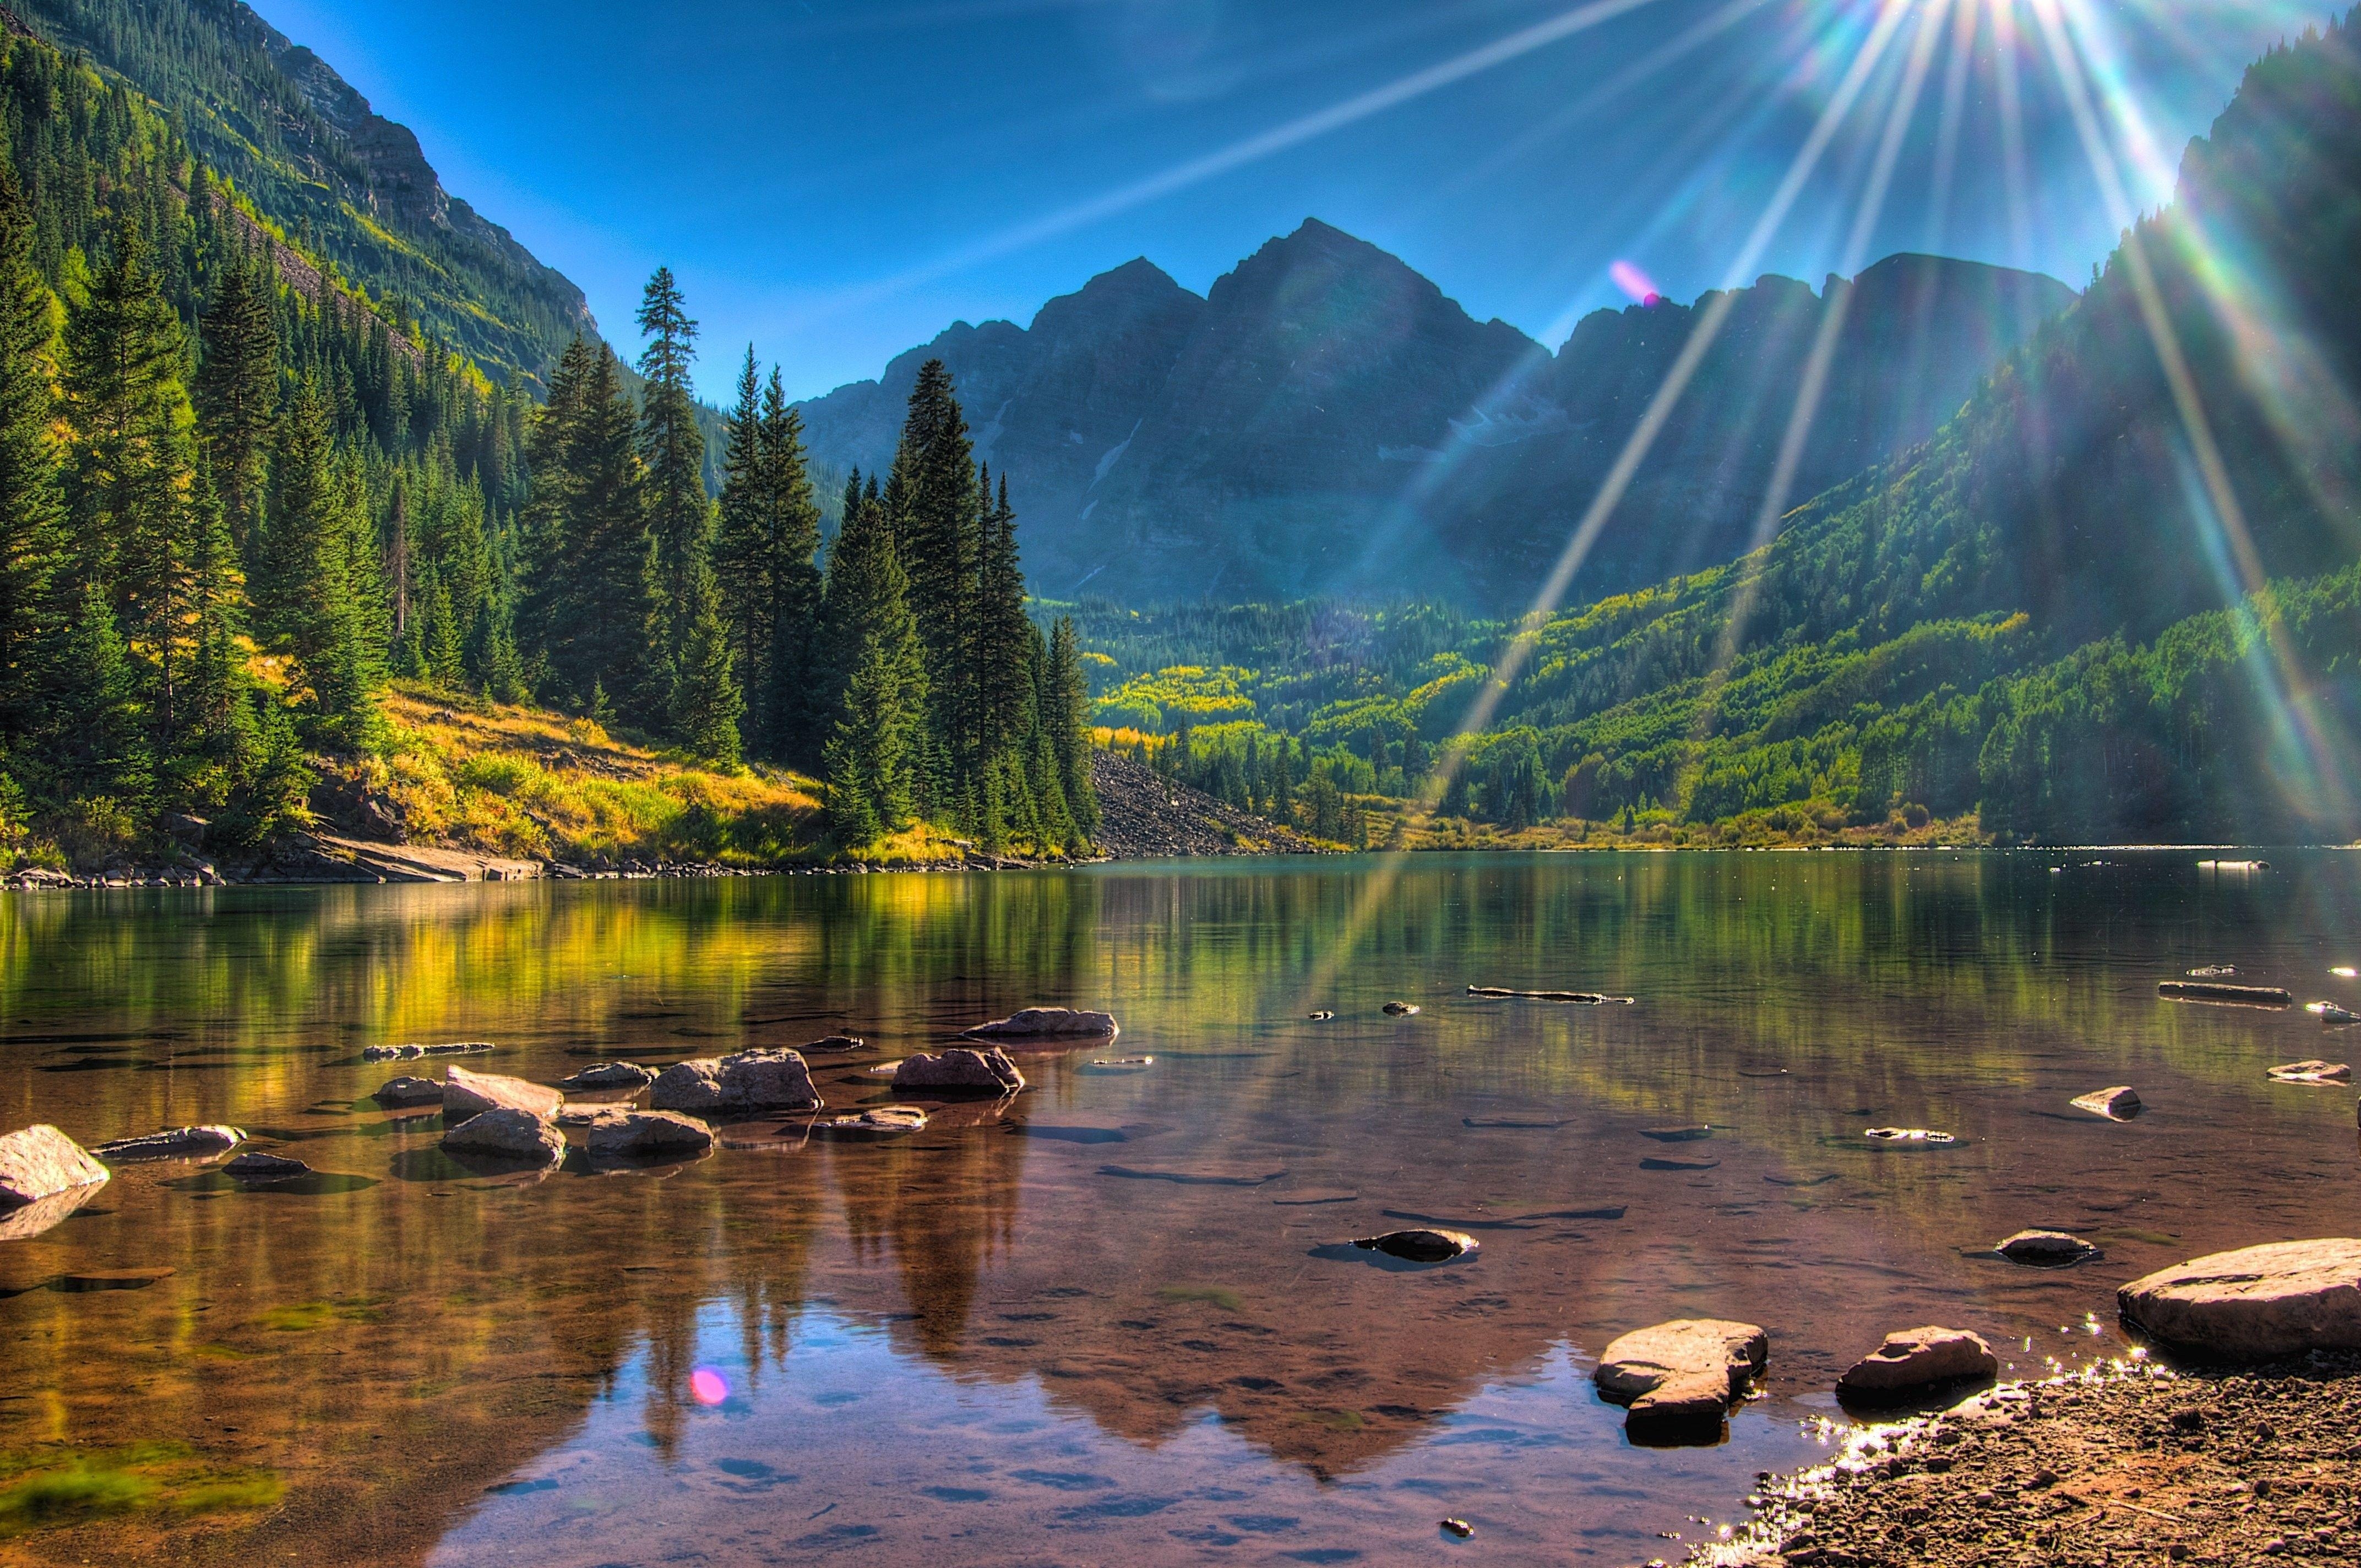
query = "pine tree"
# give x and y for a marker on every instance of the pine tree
(237, 390)
(797, 715)
(316, 588)
(32, 506)
(133, 464)
(870, 753)
(672, 448)
(93, 737)
(932, 495)
(590, 615)
(1066, 720)
(705, 699)
(1005, 639)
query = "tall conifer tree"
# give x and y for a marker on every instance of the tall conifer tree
(237, 390)
(870, 758)
(672, 448)
(32, 506)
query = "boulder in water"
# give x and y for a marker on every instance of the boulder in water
(1047, 1023)
(468, 1094)
(507, 1132)
(42, 1162)
(1679, 1377)
(608, 1075)
(2313, 1070)
(639, 1134)
(1915, 1361)
(255, 1166)
(2117, 1104)
(960, 1070)
(765, 1079)
(179, 1143)
(1420, 1247)
(2255, 1303)
(2045, 1249)
(1400, 1009)
(396, 1092)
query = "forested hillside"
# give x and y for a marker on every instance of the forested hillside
(239, 493)
(2087, 609)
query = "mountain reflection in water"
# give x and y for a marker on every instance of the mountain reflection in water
(1096, 1324)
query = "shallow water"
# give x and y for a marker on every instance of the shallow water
(987, 1342)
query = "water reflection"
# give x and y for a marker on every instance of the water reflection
(1124, 1279)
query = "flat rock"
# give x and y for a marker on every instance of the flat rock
(1915, 1360)
(1665, 1162)
(873, 1126)
(986, 1072)
(407, 1091)
(762, 1080)
(179, 1143)
(411, 1053)
(81, 1279)
(1909, 1137)
(1682, 1403)
(2312, 1071)
(42, 1162)
(508, 1132)
(1677, 1135)
(2255, 1303)
(828, 1044)
(2117, 1104)
(255, 1166)
(640, 1134)
(608, 1075)
(1047, 1023)
(2048, 1248)
(1728, 1354)
(1420, 1245)
(468, 1094)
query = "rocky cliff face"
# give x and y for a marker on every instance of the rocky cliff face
(1328, 421)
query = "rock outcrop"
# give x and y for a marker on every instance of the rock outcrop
(256, 1165)
(508, 1133)
(2117, 1104)
(645, 1135)
(1047, 1023)
(2045, 1249)
(407, 1090)
(759, 1080)
(960, 1070)
(2258, 1302)
(1914, 1362)
(42, 1162)
(608, 1075)
(468, 1094)
(179, 1143)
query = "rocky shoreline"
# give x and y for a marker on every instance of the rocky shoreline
(2136, 1463)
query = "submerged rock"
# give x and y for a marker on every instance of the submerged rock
(1118, 1064)
(1400, 1009)
(255, 1166)
(2117, 1104)
(1322, 1016)
(827, 1044)
(1676, 1135)
(2255, 1303)
(468, 1094)
(2330, 1013)
(1047, 1023)
(411, 1053)
(608, 1075)
(407, 1090)
(1679, 1377)
(42, 1162)
(640, 1134)
(2312, 1071)
(2048, 1249)
(873, 1124)
(1916, 1361)
(508, 1132)
(179, 1143)
(763, 1078)
(1420, 1245)
(985, 1072)
(1909, 1137)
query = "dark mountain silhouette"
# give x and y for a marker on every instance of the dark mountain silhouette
(1326, 421)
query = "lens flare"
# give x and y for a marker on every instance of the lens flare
(1634, 282)
(708, 1387)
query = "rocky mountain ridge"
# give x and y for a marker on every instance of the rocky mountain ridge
(1326, 421)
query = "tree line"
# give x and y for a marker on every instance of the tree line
(239, 494)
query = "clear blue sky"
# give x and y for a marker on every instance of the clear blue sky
(835, 180)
